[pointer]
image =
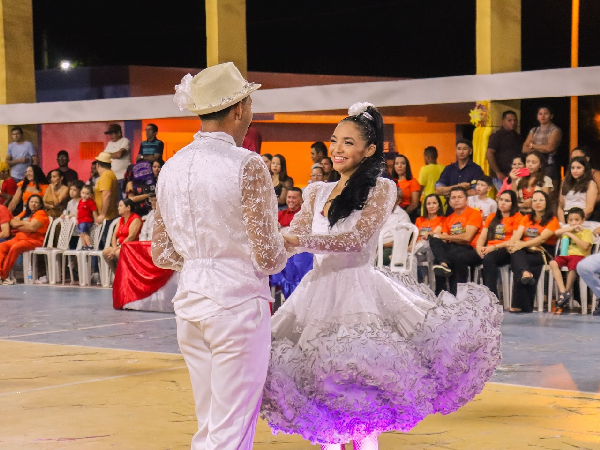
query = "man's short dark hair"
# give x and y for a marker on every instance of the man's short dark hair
(220, 115)
(431, 152)
(62, 153)
(320, 147)
(459, 188)
(104, 165)
(19, 129)
(507, 112)
(467, 142)
(487, 180)
(154, 127)
(576, 210)
(295, 189)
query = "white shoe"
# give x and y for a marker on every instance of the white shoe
(95, 278)
(9, 281)
(42, 280)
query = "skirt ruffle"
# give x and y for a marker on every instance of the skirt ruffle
(343, 380)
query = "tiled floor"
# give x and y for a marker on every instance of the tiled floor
(76, 374)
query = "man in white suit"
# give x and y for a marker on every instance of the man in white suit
(216, 222)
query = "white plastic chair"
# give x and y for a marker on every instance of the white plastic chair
(583, 294)
(105, 272)
(401, 259)
(505, 280)
(428, 273)
(52, 253)
(95, 235)
(49, 237)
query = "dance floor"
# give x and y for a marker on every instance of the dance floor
(76, 374)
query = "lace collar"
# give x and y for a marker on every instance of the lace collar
(219, 135)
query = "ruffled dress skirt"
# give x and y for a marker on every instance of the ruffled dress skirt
(361, 351)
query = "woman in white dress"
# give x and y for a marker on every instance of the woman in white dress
(356, 351)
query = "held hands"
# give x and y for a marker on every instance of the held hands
(291, 242)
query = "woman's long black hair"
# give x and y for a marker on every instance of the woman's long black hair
(355, 193)
(497, 220)
(39, 178)
(577, 184)
(28, 212)
(548, 214)
(440, 211)
(407, 174)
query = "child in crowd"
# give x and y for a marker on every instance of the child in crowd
(481, 201)
(518, 171)
(429, 175)
(580, 246)
(87, 212)
(71, 211)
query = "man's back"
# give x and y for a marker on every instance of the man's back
(428, 176)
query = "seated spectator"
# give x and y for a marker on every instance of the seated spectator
(580, 245)
(267, 158)
(128, 230)
(156, 168)
(480, 200)
(71, 210)
(148, 225)
(410, 187)
(497, 231)
(432, 219)
(585, 153)
(31, 226)
(94, 175)
(430, 174)
(578, 190)
(62, 158)
(530, 248)
(57, 195)
(281, 181)
(398, 216)
(87, 213)
(390, 157)
(453, 243)
(518, 171)
(589, 271)
(152, 148)
(294, 203)
(316, 174)
(34, 183)
(5, 218)
(329, 173)
(537, 180)
(9, 185)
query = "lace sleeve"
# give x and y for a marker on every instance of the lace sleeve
(259, 212)
(163, 253)
(377, 209)
(301, 224)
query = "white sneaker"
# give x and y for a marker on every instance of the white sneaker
(42, 280)
(95, 278)
(9, 281)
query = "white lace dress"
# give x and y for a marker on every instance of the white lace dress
(357, 351)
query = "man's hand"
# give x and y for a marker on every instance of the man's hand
(100, 218)
(291, 241)
(500, 176)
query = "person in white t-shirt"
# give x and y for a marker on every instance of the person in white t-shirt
(480, 200)
(120, 150)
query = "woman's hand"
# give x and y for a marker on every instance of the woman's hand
(481, 251)
(515, 246)
(513, 174)
(291, 241)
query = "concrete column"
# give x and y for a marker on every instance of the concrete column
(226, 33)
(17, 73)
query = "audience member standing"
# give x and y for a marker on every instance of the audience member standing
(578, 190)
(62, 158)
(253, 140)
(87, 213)
(536, 180)
(430, 174)
(35, 182)
(530, 247)
(106, 194)
(20, 154)
(454, 242)
(9, 185)
(94, 175)
(410, 187)
(545, 139)
(493, 242)
(294, 203)
(318, 151)
(57, 195)
(152, 148)
(119, 149)
(462, 173)
(503, 147)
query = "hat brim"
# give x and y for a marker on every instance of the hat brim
(207, 109)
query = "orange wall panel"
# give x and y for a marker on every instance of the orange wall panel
(297, 158)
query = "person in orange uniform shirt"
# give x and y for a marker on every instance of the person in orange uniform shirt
(453, 243)
(411, 189)
(530, 248)
(31, 227)
(498, 229)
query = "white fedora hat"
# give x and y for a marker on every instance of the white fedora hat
(213, 89)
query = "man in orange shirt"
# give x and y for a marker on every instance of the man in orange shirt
(453, 244)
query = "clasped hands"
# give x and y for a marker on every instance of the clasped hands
(290, 241)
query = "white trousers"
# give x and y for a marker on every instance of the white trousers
(227, 356)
